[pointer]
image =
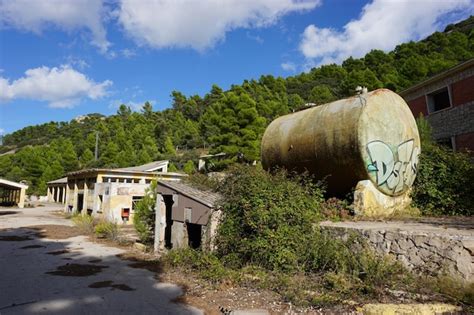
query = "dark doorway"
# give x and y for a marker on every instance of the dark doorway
(60, 195)
(80, 202)
(169, 222)
(194, 235)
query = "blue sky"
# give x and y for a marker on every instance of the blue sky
(64, 58)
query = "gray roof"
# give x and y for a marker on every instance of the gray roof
(207, 198)
(59, 181)
(145, 167)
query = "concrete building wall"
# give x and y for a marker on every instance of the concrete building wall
(182, 219)
(111, 198)
(455, 123)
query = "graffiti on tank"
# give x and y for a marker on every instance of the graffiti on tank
(396, 170)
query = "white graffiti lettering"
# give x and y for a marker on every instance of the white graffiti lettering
(395, 170)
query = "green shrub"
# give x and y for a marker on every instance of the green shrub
(267, 218)
(189, 167)
(107, 230)
(445, 180)
(144, 216)
(84, 222)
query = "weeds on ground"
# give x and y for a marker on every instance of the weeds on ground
(449, 288)
(84, 222)
(108, 230)
(96, 227)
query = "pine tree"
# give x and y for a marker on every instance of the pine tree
(69, 157)
(87, 158)
(169, 147)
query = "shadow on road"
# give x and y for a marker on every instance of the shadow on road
(75, 276)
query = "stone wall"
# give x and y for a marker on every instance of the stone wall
(423, 247)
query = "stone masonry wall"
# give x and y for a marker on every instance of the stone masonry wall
(419, 247)
(453, 121)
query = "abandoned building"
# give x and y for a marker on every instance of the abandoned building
(447, 102)
(186, 216)
(12, 193)
(57, 190)
(113, 193)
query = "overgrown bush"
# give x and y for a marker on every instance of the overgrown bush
(445, 180)
(105, 229)
(144, 216)
(84, 222)
(268, 218)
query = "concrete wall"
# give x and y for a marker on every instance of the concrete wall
(115, 197)
(456, 121)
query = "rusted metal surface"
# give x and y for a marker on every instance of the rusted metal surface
(371, 136)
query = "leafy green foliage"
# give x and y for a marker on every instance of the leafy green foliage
(271, 216)
(189, 167)
(144, 216)
(444, 181)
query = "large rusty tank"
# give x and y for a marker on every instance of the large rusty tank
(369, 136)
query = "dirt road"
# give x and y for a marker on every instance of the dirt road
(41, 274)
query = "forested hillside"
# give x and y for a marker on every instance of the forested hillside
(230, 121)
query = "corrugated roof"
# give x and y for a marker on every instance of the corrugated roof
(207, 198)
(149, 167)
(59, 181)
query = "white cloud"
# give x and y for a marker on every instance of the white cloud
(2, 131)
(61, 87)
(382, 24)
(288, 66)
(128, 53)
(68, 15)
(200, 24)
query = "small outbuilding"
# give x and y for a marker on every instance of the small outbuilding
(57, 190)
(185, 216)
(12, 193)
